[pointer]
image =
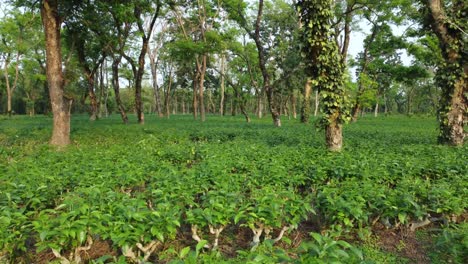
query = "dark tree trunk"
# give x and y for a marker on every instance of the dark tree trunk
(356, 110)
(240, 101)
(145, 37)
(90, 77)
(138, 81)
(116, 85)
(269, 90)
(60, 105)
(167, 98)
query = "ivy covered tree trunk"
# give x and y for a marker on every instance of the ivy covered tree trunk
(325, 66)
(60, 105)
(452, 74)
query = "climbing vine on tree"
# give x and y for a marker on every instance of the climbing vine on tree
(448, 22)
(325, 66)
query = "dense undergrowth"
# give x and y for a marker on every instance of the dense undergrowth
(225, 191)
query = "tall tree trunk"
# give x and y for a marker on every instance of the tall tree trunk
(269, 90)
(211, 104)
(145, 37)
(154, 75)
(183, 106)
(239, 100)
(221, 101)
(195, 95)
(7, 83)
(293, 104)
(11, 88)
(106, 95)
(305, 110)
(167, 97)
(60, 105)
(116, 86)
(376, 109)
(201, 87)
(138, 83)
(92, 97)
(90, 77)
(409, 102)
(385, 104)
(452, 76)
(259, 104)
(233, 106)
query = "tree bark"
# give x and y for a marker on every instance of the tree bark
(333, 136)
(293, 104)
(11, 88)
(305, 110)
(116, 86)
(138, 83)
(195, 95)
(201, 87)
(167, 97)
(376, 109)
(60, 104)
(221, 101)
(317, 102)
(453, 105)
(90, 77)
(104, 71)
(239, 100)
(154, 75)
(270, 91)
(145, 37)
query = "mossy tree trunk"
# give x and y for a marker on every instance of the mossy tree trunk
(452, 74)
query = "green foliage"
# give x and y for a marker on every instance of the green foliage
(451, 245)
(325, 249)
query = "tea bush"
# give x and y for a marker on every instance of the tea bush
(194, 185)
